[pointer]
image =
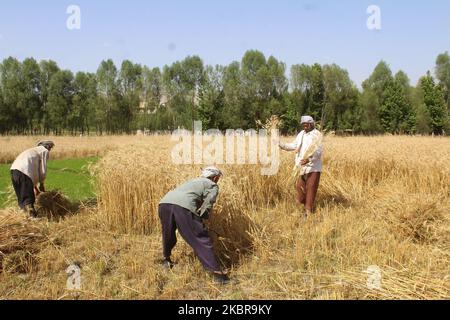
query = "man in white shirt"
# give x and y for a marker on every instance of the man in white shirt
(27, 172)
(308, 160)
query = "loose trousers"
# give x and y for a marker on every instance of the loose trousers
(307, 187)
(24, 188)
(193, 231)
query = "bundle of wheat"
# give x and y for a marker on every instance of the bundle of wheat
(273, 123)
(230, 226)
(53, 205)
(20, 240)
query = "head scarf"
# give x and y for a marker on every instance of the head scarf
(47, 144)
(211, 172)
(307, 119)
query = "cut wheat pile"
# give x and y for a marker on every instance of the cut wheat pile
(53, 205)
(20, 239)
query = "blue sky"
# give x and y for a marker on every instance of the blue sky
(156, 33)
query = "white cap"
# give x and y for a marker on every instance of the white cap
(307, 119)
(211, 172)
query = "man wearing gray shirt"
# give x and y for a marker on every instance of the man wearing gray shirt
(184, 208)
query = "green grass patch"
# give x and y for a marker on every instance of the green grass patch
(70, 176)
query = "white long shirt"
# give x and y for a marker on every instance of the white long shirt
(33, 163)
(305, 140)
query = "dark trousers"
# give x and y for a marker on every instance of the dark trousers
(192, 230)
(24, 188)
(307, 187)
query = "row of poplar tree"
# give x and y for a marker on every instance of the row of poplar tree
(41, 98)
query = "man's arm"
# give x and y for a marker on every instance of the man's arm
(291, 146)
(43, 170)
(210, 196)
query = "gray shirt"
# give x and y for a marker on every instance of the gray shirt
(197, 195)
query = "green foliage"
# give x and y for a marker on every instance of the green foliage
(374, 89)
(39, 98)
(107, 102)
(60, 94)
(13, 96)
(395, 112)
(31, 81)
(130, 88)
(308, 84)
(379, 79)
(47, 70)
(340, 99)
(443, 74)
(212, 99)
(433, 100)
(84, 102)
(290, 117)
(152, 98)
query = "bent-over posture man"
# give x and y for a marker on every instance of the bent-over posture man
(184, 209)
(27, 171)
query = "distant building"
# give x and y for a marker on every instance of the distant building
(143, 104)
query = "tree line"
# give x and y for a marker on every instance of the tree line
(40, 98)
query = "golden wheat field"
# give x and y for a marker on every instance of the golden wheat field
(382, 201)
(73, 147)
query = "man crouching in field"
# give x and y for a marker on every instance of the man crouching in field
(184, 209)
(27, 171)
(308, 148)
